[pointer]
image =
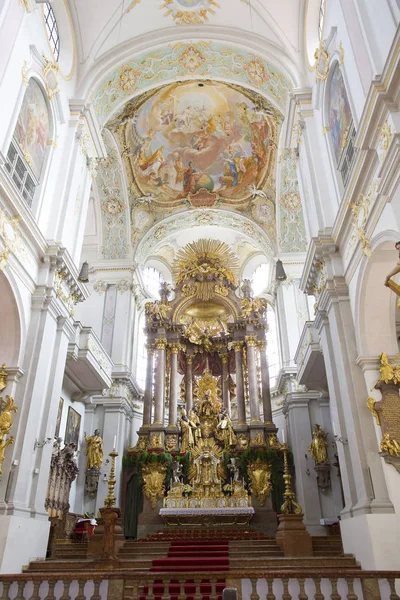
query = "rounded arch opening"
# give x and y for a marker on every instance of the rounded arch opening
(10, 324)
(376, 304)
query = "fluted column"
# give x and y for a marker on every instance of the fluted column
(251, 348)
(241, 409)
(189, 382)
(225, 383)
(265, 387)
(173, 394)
(148, 392)
(160, 382)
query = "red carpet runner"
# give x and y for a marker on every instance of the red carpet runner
(192, 556)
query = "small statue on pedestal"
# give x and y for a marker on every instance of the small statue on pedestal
(318, 446)
(94, 450)
(233, 469)
(177, 470)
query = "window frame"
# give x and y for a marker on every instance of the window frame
(53, 40)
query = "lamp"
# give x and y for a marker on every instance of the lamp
(84, 273)
(280, 274)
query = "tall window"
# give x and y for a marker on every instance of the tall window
(28, 147)
(52, 30)
(152, 280)
(272, 347)
(321, 17)
(141, 362)
(260, 279)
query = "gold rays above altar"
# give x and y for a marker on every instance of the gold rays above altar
(206, 259)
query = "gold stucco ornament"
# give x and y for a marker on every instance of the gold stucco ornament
(6, 422)
(154, 482)
(260, 480)
(391, 446)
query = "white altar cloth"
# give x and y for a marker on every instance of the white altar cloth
(177, 512)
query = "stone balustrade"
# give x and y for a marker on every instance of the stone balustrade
(271, 585)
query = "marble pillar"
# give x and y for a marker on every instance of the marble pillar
(189, 382)
(148, 393)
(173, 395)
(265, 388)
(251, 347)
(225, 381)
(241, 409)
(159, 391)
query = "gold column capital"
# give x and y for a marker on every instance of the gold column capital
(224, 357)
(262, 345)
(150, 348)
(175, 348)
(237, 346)
(251, 341)
(161, 344)
(189, 359)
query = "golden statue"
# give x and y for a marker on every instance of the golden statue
(3, 377)
(194, 422)
(225, 430)
(156, 311)
(390, 446)
(6, 421)
(94, 450)
(187, 438)
(318, 446)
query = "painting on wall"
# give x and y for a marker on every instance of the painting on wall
(198, 135)
(339, 112)
(32, 128)
(59, 417)
(72, 428)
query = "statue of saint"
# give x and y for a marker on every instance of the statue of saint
(187, 439)
(94, 450)
(194, 422)
(396, 269)
(233, 469)
(177, 470)
(389, 445)
(225, 429)
(318, 446)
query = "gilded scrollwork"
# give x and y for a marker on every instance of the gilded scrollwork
(260, 474)
(154, 482)
(7, 408)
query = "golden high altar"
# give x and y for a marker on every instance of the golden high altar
(207, 356)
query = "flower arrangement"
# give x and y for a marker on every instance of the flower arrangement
(228, 489)
(187, 489)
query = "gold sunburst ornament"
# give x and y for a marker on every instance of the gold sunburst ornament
(189, 12)
(206, 260)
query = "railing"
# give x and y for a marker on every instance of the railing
(334, 584)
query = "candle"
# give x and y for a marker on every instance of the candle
(115, 442)
(334, 428)
(283, 436)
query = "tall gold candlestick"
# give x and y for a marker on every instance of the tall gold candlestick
(110, 501)
(290, 506)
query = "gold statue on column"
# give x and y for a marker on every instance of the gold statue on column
(225, 430)
(388, 281)
(94, 450)
(390, 446)
(318, 446)
(6, 422)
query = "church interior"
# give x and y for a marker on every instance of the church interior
(199, 299)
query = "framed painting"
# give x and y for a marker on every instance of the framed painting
(339, 112)
(72, 428)
(59, 417)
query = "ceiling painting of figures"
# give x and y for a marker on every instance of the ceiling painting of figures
(198, 138)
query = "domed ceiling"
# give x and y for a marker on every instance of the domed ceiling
(202, 145)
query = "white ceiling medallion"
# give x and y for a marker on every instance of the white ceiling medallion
(189, 12)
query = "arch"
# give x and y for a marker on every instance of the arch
(67, 57)
(312, 36)
(10, 324)
(186, 61)
(375, 313)
(252, 263)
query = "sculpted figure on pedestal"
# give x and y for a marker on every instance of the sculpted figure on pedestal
(318, 446)
(94, 450)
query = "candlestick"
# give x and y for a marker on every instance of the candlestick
(109, 502)
(290, 506)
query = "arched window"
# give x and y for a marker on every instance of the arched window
(260, 279)
(272, 346)
(152, 280)
(28, 147)
(141, 361)
(321, 18)
(52, 30)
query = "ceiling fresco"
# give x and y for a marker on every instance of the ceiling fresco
(200, 145)
(196, 136)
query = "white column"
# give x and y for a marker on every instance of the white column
(159, 391)
(251, 344)
(241, 409)
(173, 393)
(189, 382)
